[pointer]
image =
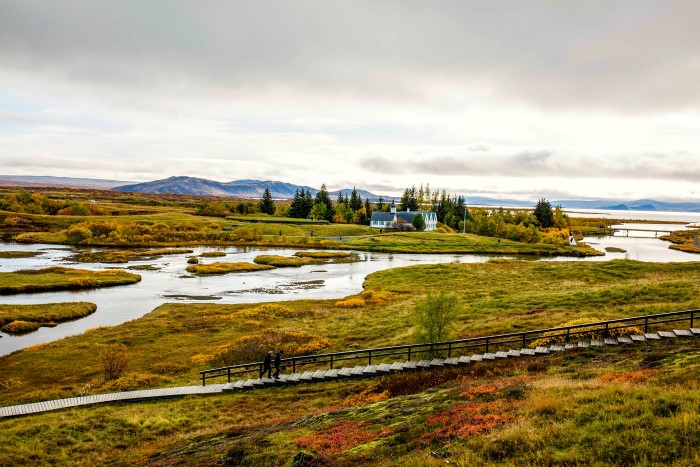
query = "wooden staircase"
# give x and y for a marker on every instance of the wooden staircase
(362, 371)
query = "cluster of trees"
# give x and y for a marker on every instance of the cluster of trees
(544, 225)
(347, 209)
(36, 203)
(449, 210)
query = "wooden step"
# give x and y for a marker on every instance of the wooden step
(452, 361)
(332, 374)
(611, 341)
(488, 356)
(437, 362)
(345, 372)
(597, 343)
(695, 331)
(384, 368)
(396, 366)
(423, 364)
(475, 358)
(570, 345)
(556, 348)
(464, 359)
(370, 370)
(357, 371)
(625, 340)
(682, 333)
(409, 365)
(638, 338)
(319, 375)
(529, 352)
(513, 353)
(652, 335)
(667, 335)
(541, 350)
(584, 344)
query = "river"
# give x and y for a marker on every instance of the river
(170, 282)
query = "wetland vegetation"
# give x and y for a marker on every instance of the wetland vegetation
(60, 278)
(482, 413)
(20, 319)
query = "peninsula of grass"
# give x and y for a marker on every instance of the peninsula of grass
(213, 254)
(18, 254)
(20, 319)
(683, 240)
(443, 243)
(60, 278)
(322, 254)
(219, 268)
(124, 256)
(283, 261)
(639, 402)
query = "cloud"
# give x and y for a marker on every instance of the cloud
(622, 55)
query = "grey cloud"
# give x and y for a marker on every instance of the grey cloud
(625, 55)
(543, 163)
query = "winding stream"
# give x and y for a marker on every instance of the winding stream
(170, 282)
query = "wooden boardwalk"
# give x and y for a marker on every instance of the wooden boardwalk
(330, 375)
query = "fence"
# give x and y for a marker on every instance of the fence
(456, 347)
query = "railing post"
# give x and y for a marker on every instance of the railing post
(692, 318)
(204, 379)
(409, 354)
(449, 349)
(331, 361)
(568, 334)
(487, 345)
(605, 333)
(646, 324)
(524, 340)
(229, 374)
(294, 365)
(369, 357)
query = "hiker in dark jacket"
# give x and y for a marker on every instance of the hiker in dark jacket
(267, 365)
(278, 360)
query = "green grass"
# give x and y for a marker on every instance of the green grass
(219, 268)
(561, 409)
(19, 254)
(36, 316)
(283, 261)
(322, 254)
(213, 254)
(433, 242)
(59, 278)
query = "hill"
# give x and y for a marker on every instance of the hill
(67, 182)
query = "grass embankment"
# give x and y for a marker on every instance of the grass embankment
(303, 258)
(432, 242)
(19, 254)
(683, 240)
(213, 254)
(219, 268)
(559, 412)
(124, 256)
(59, 278)
(21, 319)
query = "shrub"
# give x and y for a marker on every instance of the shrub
(351, 303)
(587, 332)
(192, 260)
(21, 327)
(282, 261)
(434, 318)
(114, 360)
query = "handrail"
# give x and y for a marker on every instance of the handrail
(454, 346)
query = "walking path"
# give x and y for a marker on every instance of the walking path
(326, 375)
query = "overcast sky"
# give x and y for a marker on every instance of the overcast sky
(523, 99)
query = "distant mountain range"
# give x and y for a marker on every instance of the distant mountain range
(234, 189)
(282, 190)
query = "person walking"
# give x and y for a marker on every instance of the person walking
(267, 365)
(278, 360)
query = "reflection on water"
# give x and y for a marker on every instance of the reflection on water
(167, 281)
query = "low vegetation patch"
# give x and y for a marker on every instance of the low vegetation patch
(225, 268)
(683, 240)
(18, 254)
(213, 254)
(20, 319)
(322, 254)
(124, 256)
(351, 303)
(583, 333)
(59, 278)
(283, 261)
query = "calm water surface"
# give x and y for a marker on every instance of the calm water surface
(116, 305)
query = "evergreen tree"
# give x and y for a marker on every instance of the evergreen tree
(442, 208)
(296, 209)
(418, 222)
(368, 211)
(308, 202)
(267, 206)
(380, 205)
(323, 198)
(355, 200)
(409, 200)
(544, 214)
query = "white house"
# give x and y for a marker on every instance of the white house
(392, 219)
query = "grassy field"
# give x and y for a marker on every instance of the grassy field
(19, 319)
(18, 254)
(218, 268)
(59, 278)
(546, 411)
